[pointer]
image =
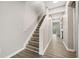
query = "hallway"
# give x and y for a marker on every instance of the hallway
(55, 49)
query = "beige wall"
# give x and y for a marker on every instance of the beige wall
(17, 21)
(45, 34)
(65, 28)
(69, 32)
(70, 28)
(77, 29)
(65, 31)
(74, 28)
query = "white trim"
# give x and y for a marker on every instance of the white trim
(15, 53)
(78, 37)
(40, 43)
(47, 46)
(68, 49)
(43, 51)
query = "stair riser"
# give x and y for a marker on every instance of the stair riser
(34, 44)
(38, 27)
(35, 40)
(39, 23)
(35, 49)
(36, 31)
(35, 35)
(32, 50)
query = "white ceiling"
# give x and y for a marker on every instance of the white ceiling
(39, 6)
(51, 5)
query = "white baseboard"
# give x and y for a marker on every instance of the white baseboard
(9, 56)
(68, 49)
(43, 51)
(46, 46)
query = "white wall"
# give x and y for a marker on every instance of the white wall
(77, 28)
(11, 25)
(17, 20)
(57, 10)
(65, 28)
(37, 6)
(69, 28)
(65, 31)
(45, 34)
(30, 20)
(74, 28)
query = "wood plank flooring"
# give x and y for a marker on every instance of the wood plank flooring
(55, 49)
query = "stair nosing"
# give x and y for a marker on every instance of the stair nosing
(33, 46)
(35, 37)
(34, 41)
(32, 50)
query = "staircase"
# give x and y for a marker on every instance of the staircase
(33, 44)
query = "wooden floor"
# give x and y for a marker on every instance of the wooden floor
(56, 49)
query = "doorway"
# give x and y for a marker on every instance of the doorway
(56, 29)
